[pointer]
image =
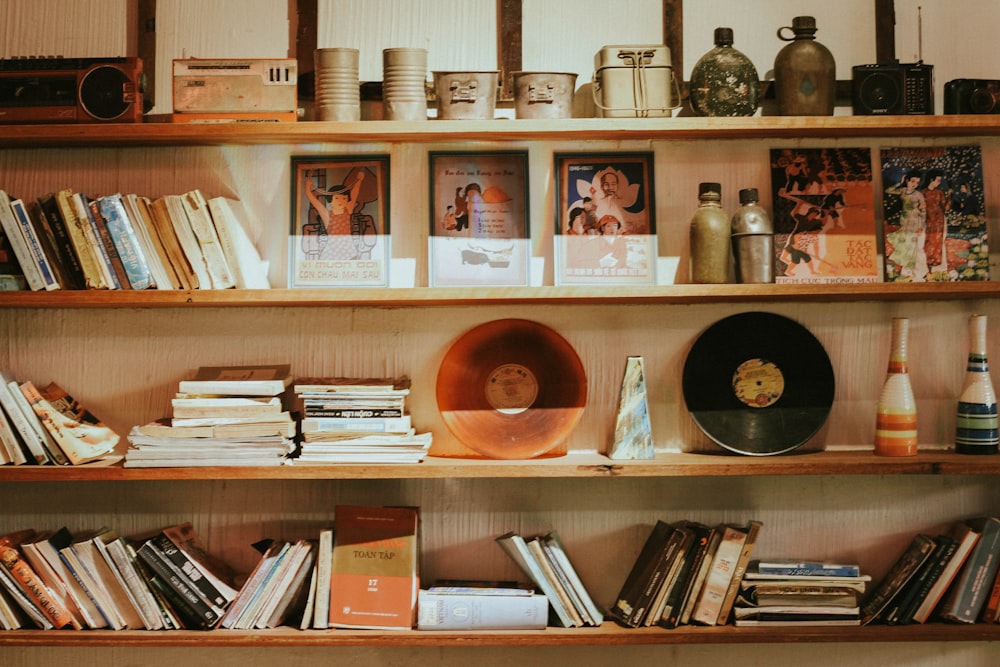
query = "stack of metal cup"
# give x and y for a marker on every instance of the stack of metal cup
(338, 93)
(404, 81)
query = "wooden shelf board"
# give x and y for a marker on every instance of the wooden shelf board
(607, 634)
(506, 130)
(427, 296)
(577, 465)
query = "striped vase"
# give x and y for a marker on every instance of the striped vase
(976, 423)
(896, 421)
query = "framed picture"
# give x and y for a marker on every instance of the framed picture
(479, 218)
(605, 226)
(339, 221)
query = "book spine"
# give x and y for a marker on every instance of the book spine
(352, 413)
(175, 579)
(753, 530)
(88, 228)
(175, 555)
(19, 245)
(106, 246)
(208, 240)
(719, 575)
(372, 425)
(902, 570)
(126, 242)
(49, 208)
(806, 570)
(92, 275)
(16, 592)
(45, 269)
(968, 594)
(29, 582)
(20, 422)
(481, 612)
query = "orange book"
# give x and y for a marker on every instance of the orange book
(373, 580)
(32, 585)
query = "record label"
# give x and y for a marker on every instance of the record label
(511, 389)
(758, 384)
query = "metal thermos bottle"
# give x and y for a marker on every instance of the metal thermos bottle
(753, 240)
(709, 235)
(805, 74)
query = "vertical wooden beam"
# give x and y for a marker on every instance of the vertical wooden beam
(303, 19)
(885, 31)
(144, 22)
(673, 35)
(509, 58)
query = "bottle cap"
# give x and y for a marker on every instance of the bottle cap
(748, 195)
(723, 36)
(711, 191)
(804, 23)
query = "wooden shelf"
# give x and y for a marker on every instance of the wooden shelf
(573, 465)
(607, 634)
(428, 296)
(505, 130)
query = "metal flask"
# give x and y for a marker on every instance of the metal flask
(805, 74)
(753, 240)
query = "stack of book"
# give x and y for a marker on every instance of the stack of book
(686, 573)
(278, 587)
(101, 580)
(67, 240)
(357, 420)
(953, 576)
(801, 592)
(544, 560)
(45, 425)
(225, 416)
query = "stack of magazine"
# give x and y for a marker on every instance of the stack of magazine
(357, 420)
(800, 593)
(224, 416)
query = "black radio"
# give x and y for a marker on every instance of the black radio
(893, 89)
(71, 90)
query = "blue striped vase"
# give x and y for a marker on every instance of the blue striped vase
(976, 423)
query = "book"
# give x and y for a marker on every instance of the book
(243, 611)
(126, 562)
(10, 439)
(217, 577)
(674, 566)
(811, 568)
(567, 596)
(351, 385)
(105, 245)
(14, 236)
(257, 380)
(35, 245)
(752, 532)
(286, 589)
(699, 573)
(176, 582)
(80, 435)
(824, 218)
(51, 606)
(23, 601)
(324, 558)
(46, 237)
(230, 218)
(934, 211)
(10, 267)
(906, 565)
(693, 552)
(216, 265)
(479, 611)
(557, 551)
(67, 257)
(159, 213)
(80, 233)
(900, 611)
(373, 576)
(646, 575)
(126, 242)
(116, 582)
(47, 548)
(967, 594)
(82, 562)
(280, 425)
(356, 424)
(720, 573)
(516, 547)
(23, 419)
(163, 270)
(193, 406)
(187, 240)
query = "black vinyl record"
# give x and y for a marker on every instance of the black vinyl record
(758, 383)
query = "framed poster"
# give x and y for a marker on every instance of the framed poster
(339, 221)
(479, 218)
(605, 225)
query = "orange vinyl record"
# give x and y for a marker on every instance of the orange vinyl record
(511, 389)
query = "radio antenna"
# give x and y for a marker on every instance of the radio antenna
(920, 34)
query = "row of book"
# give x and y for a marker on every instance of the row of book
(67, 240)
(686, 573)
(45, 425)
(790, 593)
(952, 576)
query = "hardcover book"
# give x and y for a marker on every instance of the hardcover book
(48, 206)
(933, 206)
(906, 566)
(646, 575)
(720, 574)
(126, 242)
(256, 380)
(473, 611)
(824, 218)
(374, 579)
(967, 595)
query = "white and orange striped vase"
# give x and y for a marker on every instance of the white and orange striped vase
(896, 422)
(976, 419)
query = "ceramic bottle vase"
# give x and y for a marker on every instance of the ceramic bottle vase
(896, 420)
(976, 419)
